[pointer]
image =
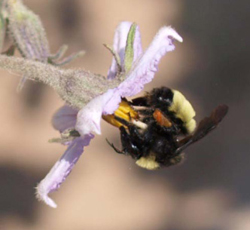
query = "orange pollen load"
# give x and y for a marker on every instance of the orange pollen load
(161, 119)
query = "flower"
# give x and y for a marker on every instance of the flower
(134, 68)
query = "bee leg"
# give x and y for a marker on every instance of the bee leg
(141, 140)
(116, 149)
(129, 145)
(140, 101)
(133, 130)
(133, 142)
(146, 111)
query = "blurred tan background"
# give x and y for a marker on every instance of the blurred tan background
(210, 191)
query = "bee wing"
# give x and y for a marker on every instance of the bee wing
(205, 126)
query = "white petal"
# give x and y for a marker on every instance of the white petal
(89, 117)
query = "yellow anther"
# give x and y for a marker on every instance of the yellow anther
(125, 111)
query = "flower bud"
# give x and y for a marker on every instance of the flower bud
(2, 30)
(27, 32)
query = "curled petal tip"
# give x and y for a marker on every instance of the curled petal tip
(42, 195)
(180, 39)
(172, 33)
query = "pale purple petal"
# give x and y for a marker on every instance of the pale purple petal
(61, 170)
(89, 117)
(119, 46)
(112, 104)
(144, 69)
(137, 44)
(64, 118)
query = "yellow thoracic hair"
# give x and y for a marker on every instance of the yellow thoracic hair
(183, 110)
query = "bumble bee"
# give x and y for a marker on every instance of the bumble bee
(156, 128)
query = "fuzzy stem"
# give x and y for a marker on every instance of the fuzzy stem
(76, 87)
(33, 70)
